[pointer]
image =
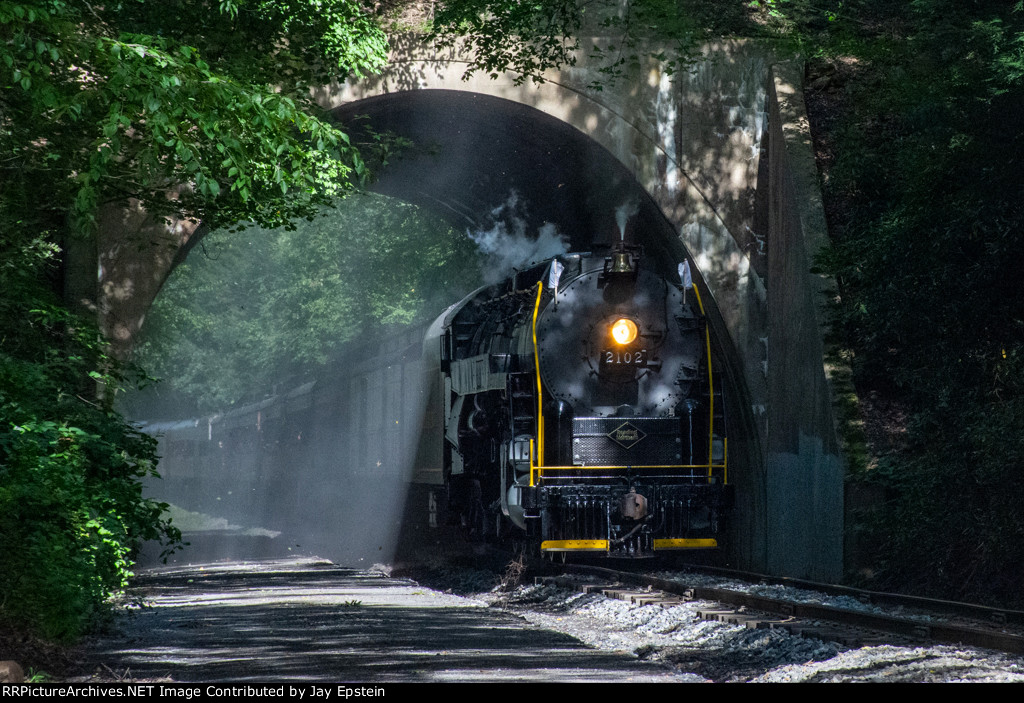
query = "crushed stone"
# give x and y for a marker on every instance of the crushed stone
(714, 651)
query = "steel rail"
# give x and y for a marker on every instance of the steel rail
(941, 632)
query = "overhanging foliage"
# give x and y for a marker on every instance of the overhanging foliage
(527, 38)
(196, 110)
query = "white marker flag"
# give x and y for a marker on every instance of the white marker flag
(684, 275)
(555, 274)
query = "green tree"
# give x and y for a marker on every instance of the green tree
(71, 505)
(195, 110)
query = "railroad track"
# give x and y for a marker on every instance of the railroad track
(969, 625)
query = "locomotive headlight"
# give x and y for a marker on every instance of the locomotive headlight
(624, 331)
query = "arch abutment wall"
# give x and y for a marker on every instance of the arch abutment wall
(136, 254)
(805, 469)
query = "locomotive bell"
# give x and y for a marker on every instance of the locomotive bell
(620, 272)
(621, 263)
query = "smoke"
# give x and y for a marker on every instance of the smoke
(506, 245)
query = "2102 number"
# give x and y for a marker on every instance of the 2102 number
(632, 358)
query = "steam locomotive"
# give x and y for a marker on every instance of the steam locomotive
(573, 405)
(579, 404)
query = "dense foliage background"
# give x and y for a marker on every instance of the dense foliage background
(916, 107)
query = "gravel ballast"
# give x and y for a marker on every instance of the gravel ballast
(709, 651)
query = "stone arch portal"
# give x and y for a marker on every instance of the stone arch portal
(686, 150)
(471, 151)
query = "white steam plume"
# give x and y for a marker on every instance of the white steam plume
(622, 214)
(506, 244)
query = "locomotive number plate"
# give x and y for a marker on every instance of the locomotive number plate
(617, 357)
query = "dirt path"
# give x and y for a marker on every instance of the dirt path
(309, 620)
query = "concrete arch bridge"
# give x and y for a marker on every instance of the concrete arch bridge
(715, 165)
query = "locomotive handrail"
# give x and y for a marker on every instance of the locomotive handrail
(711, 386)
(540, 395)
(725, 460)
(537, 470)
(624, 466)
